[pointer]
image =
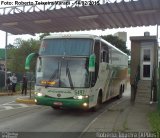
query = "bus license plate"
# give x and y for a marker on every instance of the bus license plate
(58, 103)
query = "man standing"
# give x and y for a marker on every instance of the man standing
(24, 84)
(8, 82)
(14, 82)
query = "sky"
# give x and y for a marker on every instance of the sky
(133, 31)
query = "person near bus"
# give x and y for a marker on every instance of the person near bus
(14, 82)
(9, 83)
(24, 85)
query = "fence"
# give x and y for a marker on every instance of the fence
(30, 76)
(2, 80)
(30, 85)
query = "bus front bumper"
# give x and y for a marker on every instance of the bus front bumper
(62, 103)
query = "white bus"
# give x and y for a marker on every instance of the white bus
(78, 71)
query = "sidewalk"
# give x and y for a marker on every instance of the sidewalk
(8, 93)
(22, 99)
(122, 117)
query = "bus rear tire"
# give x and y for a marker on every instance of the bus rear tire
(99, 103)
(120, 93)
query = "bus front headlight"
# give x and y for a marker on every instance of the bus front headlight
(39, 94)
(80, 97)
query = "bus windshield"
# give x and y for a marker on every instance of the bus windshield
(62, 72)
(66, 47)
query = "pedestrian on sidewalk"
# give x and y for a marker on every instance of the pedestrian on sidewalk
(14, 82)
(24, 84)
(9, 83)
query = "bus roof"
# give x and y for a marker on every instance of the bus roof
(90, 36)
(110, 45)
(71, 36)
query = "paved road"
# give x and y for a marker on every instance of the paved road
(7, 99)
(16, 117)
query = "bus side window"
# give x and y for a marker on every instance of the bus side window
(105, 53)
(97, 51)
(97, 54)
(104, 58)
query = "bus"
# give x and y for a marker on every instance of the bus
(78, 71)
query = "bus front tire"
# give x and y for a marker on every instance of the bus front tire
(55, 108)
(99, 103)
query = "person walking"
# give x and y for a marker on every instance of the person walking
(24, 85)
(14, 82)
(8, 82)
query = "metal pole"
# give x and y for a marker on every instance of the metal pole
(157, 31)
(158, 91)
(30, 86)
(6, 59)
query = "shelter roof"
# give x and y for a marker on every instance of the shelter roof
(34, 19)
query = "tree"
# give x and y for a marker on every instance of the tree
(10, 46)
(120, 44)
(18, 54)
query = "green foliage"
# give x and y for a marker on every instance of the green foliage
(154, 119)
(120, 44)
(2, 53)
(10, 46)
(17, 54)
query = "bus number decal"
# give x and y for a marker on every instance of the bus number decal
(79, 92)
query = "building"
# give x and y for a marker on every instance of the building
(121, 35)
(144, 63)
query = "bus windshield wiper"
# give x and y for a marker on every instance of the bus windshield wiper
(69, 76)
(53, 76)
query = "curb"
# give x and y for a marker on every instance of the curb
(25, 101)
(7, 94)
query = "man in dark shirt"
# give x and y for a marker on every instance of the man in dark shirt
(9, 84)
(24, 85)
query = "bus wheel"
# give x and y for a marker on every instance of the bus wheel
(120, 93)
(123, 88)
(99, 102)
(55, 108)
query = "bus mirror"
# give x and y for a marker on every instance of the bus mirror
(92, 59)
(28, 60)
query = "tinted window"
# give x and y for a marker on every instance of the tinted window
(71, 47)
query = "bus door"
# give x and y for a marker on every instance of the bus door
(106, 72)
(94, 75)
